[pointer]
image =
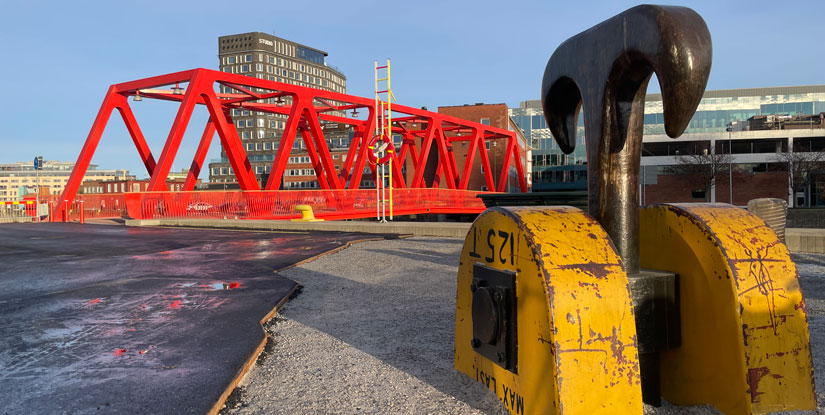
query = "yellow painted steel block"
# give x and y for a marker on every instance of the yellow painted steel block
(576, 336)
(745, 344)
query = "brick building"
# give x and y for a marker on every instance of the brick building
(495, 115)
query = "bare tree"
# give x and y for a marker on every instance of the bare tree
(701, 170)
(801, 167)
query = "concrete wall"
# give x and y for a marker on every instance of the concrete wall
(806, 218)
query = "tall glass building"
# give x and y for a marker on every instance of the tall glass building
(720, 122)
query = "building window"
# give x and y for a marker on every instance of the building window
(485, 121)
(230, 60)
(248, 58)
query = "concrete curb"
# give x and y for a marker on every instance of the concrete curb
(804, 240)
(811, 241)
(438, 229)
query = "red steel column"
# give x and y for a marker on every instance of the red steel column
(468, 164)
(361, 158)
(230, 140)
(421, 162)
(200, 156)
(158, 180)
(441, 142)
(311, 118)
(313, 156)
(346, 166)
(137, 136)
(522, 180)
(485, 164)
(276, 174)
(505, 167)
(111, 100)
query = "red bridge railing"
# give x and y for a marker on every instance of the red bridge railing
(268, 204)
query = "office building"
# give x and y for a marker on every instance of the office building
(20, 178)
(264, 56)
(758, 123)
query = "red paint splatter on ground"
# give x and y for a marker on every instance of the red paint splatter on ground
(144, 306)
(130, 330)
(234, 285)
(95, 301)
(175, 304)
(143, 352)
(119, 352)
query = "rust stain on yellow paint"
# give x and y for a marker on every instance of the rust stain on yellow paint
(576, 333)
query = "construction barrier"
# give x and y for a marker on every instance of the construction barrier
(275, 204)
(86, 206)
(280, 204)
(17, 211)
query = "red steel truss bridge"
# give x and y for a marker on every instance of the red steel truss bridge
(305, 109)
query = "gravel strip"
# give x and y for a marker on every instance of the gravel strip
(372, 333)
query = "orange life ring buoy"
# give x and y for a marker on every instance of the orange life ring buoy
(385, 145)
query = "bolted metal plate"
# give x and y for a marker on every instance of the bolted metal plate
(656, 304)
(494, 315)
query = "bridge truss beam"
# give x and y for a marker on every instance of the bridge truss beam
(305, 109)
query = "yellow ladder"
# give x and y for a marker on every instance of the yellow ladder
(383, 126)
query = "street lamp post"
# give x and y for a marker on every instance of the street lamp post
(730, 163)
(495, 165)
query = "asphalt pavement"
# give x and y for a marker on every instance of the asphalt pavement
(109, 319)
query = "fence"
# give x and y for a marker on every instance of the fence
(86, 206)
(277, 204)
(280, 204)
(23, 211)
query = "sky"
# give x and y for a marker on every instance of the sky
(60, 57)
